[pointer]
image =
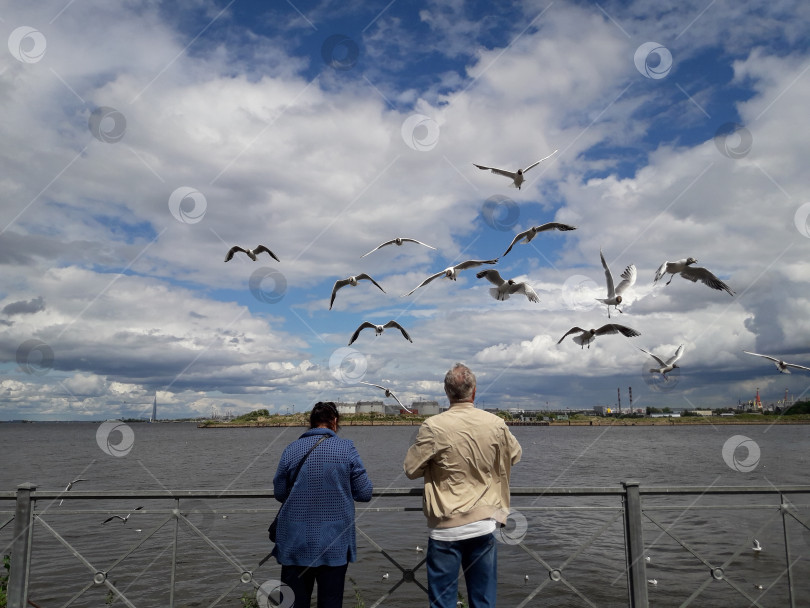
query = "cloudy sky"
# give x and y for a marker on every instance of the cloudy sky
(142, 139)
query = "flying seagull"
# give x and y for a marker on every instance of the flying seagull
(586, 336)
(251, 253)
(69, 486)
(782, 366)
(504, 289)
(614, 295)
(452, 271)
(388, 393)
(516, 177)
(693, 273)
(666, 366)
(353, 282)
(379, 329)
(527, 235)
(123, 518)
(397, 241)
(757, 547)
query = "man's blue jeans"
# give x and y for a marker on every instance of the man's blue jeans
(478, 559)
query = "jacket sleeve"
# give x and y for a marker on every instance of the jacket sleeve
(515, 450)
(361, 484)
(420, 453)
(280, 489)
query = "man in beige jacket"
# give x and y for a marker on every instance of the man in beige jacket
(465, 455)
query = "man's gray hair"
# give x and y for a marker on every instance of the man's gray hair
(459, 383)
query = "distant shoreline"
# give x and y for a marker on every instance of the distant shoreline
(691, 421)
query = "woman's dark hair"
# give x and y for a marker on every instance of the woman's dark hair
(323, 412)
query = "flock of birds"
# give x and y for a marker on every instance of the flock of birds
(504, 288)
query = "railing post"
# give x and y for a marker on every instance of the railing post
(636, 568)
(21, 548)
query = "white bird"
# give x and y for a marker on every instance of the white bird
(652, 581)
(756, 586)
(589, 335)
(379, 329)
(69, 486)
(388, 393)
(123, 518)
(647, 559)
(398, 242)
(506, 288)
(525, 579)
(614, 294)
(385, 576)
(251, 253)
(452, 272)
(353, 282)
(527, 235)
(666, 366)
(782, 366)
(757, 547)
(517, 176)
(419, 549)
(693, 273)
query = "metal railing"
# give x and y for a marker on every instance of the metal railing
(634, 505)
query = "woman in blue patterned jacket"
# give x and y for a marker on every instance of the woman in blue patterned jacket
(315, 538)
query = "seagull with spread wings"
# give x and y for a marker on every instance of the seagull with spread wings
(353, 282)
(686, 269)
(388, 393)
(123, 518)
(527, 235)
(452, 271)
(586, 336)
(503, 289)
(70, 485)
(251, 253)
(782, 366)
(614, 294)
(516, 176)
(666, 366)
(398, 242)
(378, 329)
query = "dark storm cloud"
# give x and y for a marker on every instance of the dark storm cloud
(23, 307)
